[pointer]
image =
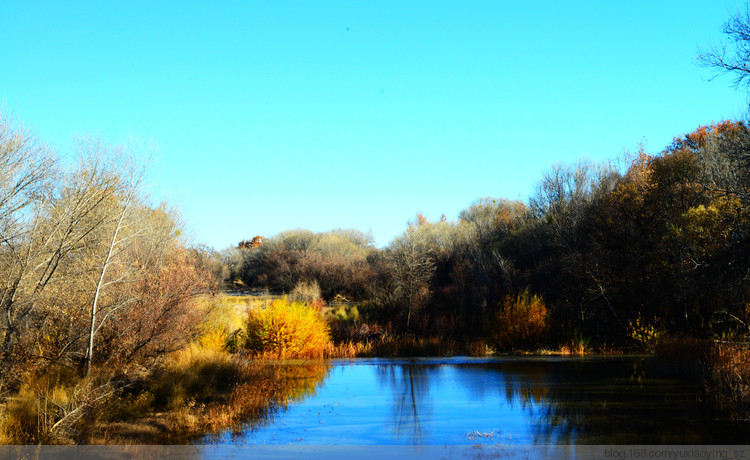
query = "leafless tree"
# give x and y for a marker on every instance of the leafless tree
(733, 55)
(413, 268)
(119, 226)
(563, 194)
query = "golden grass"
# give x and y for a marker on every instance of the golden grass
(201, 391)
(728, 378)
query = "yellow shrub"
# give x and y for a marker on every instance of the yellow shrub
(521, 322)
(223, 321)
(644, 333)
(288, 330)
(214, 340)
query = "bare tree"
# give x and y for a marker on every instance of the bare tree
(733, 55)
(119, 226)
(565, 192)
(26, 174)
(413, 268)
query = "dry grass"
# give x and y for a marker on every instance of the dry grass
(201, 392)
(728, 379)
(723, 368)
(393, 346)
(57, 408)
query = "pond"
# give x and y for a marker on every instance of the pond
(507, 401)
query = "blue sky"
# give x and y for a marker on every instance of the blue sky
(275, 115)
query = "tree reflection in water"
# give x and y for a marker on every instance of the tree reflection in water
(548, 401)
(567, 401)
(410, 387)
(608, 401)
(293, 383)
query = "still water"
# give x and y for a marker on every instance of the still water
(509, 401)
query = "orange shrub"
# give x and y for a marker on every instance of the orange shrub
(288, 330)
(521, 322)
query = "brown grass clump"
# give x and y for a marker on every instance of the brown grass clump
(58, 408)
(520, 323)
(728, 379)
(723, 368)
(201, 392)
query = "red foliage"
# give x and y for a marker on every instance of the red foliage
(253, 243)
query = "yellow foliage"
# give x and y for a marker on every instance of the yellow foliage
(521, 322)
(223, 321)
(214, 340)
(645, 333)
(288, 330)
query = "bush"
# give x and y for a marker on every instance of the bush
(644, 333)
(288, 330)
(306, 292)
(521, 322)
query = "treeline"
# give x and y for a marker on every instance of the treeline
(618, 256)
(90, 273)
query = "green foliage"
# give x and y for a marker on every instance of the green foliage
(288, 330)
(345, 313)
(520, 323)
(578, 344)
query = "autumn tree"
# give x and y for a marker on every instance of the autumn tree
(27, 176)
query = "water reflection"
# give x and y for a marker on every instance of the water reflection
(409, 385)
(490, 402)
(293, 382)
(608, 401)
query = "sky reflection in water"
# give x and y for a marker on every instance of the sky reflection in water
(506, 401)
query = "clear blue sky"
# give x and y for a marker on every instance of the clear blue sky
(275, 115)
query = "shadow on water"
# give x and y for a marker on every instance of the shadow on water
(464, 401)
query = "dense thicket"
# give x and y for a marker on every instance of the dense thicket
(619, 255)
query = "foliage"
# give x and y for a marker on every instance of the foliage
(288, 330)
(335, 260)
(521, 322)
(90, 273)
(644, 333)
